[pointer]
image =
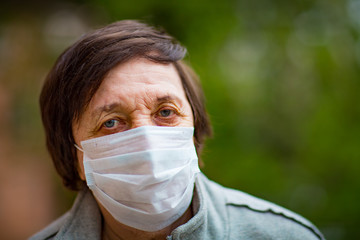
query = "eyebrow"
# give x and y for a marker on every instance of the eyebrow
(168, 98)
(110, 107)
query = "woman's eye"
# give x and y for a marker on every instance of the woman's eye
(110, 123)
(166, 112)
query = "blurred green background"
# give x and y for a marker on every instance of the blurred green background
(282, 81)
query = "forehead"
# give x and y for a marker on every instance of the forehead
(138, 79)
(142, 71)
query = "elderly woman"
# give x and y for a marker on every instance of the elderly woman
(125, 120)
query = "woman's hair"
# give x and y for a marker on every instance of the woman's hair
(79, 71)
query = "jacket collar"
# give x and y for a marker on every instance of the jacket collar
(85, 219)
(209, 221)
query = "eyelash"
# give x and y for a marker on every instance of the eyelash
(174, 112)
(104, 124)
(171, 112)
(117, 125)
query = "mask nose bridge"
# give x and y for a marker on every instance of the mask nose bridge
(145, 138)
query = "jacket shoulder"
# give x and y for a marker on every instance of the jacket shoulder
(50, 231)
(264, 218)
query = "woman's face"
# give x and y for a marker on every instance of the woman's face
(133, 94)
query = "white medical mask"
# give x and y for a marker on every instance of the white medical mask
(144, 176)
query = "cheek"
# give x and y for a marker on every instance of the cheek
(78, 134)
(80, 165)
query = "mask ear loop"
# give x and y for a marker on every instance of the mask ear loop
(78, 148)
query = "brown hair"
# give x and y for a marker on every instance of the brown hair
(79, 71)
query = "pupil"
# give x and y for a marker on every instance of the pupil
(109, 123)
(165, 113)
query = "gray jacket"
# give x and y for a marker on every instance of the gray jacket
(220, 213)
